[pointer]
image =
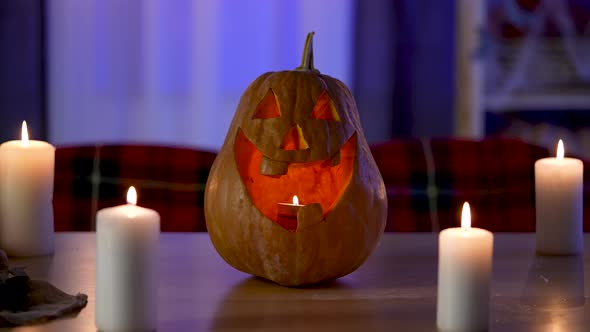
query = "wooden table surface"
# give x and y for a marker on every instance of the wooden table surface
(395, 290)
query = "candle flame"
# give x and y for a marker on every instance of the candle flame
(132, 196)
(560, 150)
(24, 134)
(295, 200)
(466, 217)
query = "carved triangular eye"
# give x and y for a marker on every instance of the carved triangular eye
(268, 107)
(324, 108)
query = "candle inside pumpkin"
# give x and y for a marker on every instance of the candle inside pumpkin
(287, 213)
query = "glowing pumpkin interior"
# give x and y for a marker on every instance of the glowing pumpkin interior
(313, 182)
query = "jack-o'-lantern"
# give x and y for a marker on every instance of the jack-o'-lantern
(295, 133)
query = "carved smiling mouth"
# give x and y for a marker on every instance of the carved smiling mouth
(270, 182)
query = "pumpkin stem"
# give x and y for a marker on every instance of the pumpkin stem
(307, 59)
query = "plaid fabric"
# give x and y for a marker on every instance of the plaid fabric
(168, 180)
(427, 182)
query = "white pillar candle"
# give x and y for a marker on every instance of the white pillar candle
(127, 240)
(26, 194)
(559, 204)
(464, 269)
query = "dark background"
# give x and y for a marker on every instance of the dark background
(22, 68)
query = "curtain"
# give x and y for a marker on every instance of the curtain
(22, 69)
(172, 72)
(404, 76)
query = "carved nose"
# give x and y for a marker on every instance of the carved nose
(294, 140)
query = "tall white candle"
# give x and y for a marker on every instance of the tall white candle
(127, 239)
(464, 269)
(559, 204)
(26, 194)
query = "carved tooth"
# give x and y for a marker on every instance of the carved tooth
(309, 215)
(271, 167)
(335, 159)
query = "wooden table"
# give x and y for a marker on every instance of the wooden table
(394, 291)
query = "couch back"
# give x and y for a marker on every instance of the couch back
(169, 180)
(427, 181)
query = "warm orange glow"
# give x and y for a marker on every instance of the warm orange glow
(294, 140)
(268, 107)
(560, 150)
(315, 181)
(324, 108)
(24, 134)
(132, 196)
(295, 200)
(466, 217)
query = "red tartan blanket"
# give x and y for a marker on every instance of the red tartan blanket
(168, 180)
(427, 181)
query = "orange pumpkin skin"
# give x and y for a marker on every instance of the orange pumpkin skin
(240, 203)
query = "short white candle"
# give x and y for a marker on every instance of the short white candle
(464, 270)
(559, 204)
(26, 195)
(287, 213)
(127, 239)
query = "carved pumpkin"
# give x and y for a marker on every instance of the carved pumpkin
(295, 133)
